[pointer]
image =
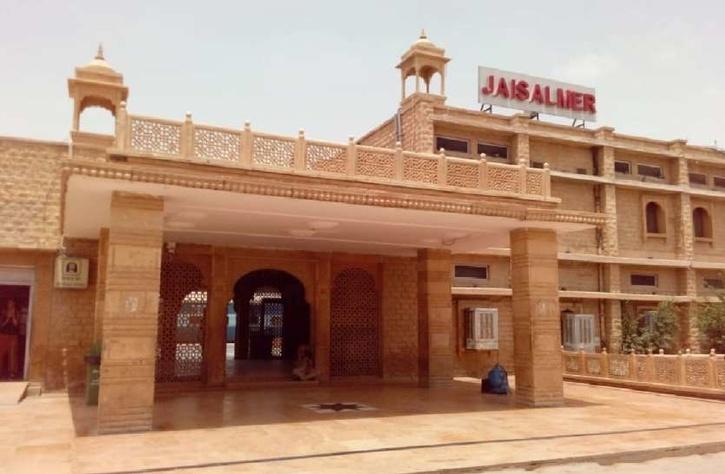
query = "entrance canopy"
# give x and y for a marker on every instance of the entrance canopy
(235, 219)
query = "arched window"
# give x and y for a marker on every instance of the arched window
(701, 223)
(655, 218)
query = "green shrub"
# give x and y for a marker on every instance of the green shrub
(642, 334)
(711, 323)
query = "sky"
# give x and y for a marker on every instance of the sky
(658, 67)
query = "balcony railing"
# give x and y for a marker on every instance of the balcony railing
(249, 149)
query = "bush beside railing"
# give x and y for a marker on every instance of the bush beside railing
(680, 370)
(247, 149)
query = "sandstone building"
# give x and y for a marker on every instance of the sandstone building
(440, 242)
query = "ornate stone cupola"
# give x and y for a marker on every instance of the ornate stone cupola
(423, 60)
(96, 84)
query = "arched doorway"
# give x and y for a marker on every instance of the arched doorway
(354, 324)
(272, 319)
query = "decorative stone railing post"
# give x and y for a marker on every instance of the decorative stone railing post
(247, 149)
(547, 180)
(122, 132)
(187, 137)
(442, 167)
(633, 365)
(300, 150)
(351, 162)
(649, 373)
(680, 369)
(398, 162)
(523, 170)
(604, 365)
(711, 371)
(483, 173)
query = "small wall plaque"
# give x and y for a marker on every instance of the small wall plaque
(71, 272)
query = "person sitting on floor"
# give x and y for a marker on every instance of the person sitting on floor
(304, 368)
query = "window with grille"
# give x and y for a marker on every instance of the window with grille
(718, 182)
(470, 275)
(650, 171)
(698, 178)
(452, 144)
(636, 279)
(714, 283)
(492, 151)
(622, 167)
(481, 329)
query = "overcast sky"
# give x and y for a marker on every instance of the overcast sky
(658, 67)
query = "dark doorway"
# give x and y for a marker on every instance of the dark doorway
(14, 305)
(271, 320)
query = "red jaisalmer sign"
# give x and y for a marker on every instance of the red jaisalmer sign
(535, 94)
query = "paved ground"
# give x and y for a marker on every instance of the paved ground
(700, 464)
(409, 430)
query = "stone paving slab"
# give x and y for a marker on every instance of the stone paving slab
(411, 430)
(12, 392)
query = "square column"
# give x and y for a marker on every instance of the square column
(535, 300)
(435, 318)
(130, 314)
(215, 337)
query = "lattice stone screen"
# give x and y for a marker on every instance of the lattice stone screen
(329, 158)
(376, 165)
(269, 151)
(219, 145)
(182, 320)
(155, 137)
(354, 324)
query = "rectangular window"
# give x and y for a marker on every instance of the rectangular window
(452, 144)
(650, 171)
(537, 164)
(718, 181)
(481, 326)
(470, 275)
(492, 151)
(636, 279)
(581, 171)
(622, 167)
(714, 283)
(698, 178)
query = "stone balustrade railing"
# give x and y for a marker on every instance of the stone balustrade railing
(254, 150)
(696, 371)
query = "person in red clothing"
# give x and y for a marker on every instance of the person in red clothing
(9, 330)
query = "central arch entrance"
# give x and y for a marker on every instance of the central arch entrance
(269, 319)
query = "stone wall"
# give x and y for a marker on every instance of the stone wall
(72, 324)
(30, 193)
(382, 136)
(400, 319)
(470, 363)
(562, 157)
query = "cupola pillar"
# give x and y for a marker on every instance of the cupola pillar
(96, 84)
(423, 60)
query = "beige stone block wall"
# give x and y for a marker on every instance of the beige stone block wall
(562, 157)
(630, 221)
(668, 280)
(468, 363)
(72, 322)
(382, 136)
(499, 268)
(400, 319)
(578, 197)
(30, 193)
(578, 276)
(669, 165)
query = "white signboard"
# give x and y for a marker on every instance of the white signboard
(535, 94)
(71, 272)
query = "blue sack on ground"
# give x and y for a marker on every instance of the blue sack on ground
(497, 381)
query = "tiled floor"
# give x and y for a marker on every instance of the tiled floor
(410, 429)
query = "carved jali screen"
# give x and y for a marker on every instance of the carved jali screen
(354, 324)
(182, 316)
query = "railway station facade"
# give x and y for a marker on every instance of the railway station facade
(439, 243)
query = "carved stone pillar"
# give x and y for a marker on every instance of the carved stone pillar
(537, 326)
(130, 316)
